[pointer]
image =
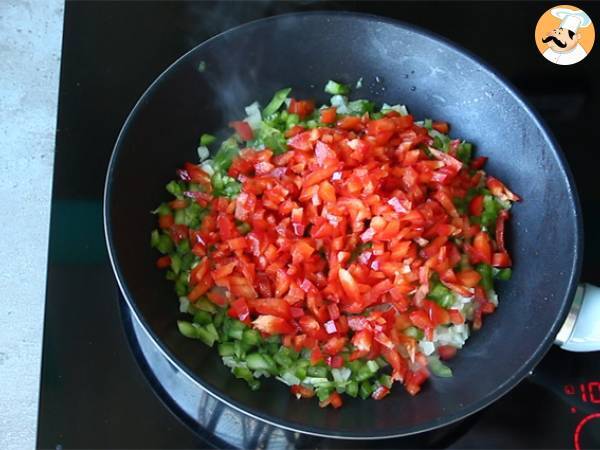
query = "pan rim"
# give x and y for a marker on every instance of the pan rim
(440, 421)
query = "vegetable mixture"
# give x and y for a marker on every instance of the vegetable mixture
(338, 249)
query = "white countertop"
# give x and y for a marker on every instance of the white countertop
(30, 43)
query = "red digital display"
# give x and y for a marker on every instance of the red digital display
(579, 429)
(589, 392)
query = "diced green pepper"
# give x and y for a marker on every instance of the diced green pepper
(187, 260)
(364, 373)
(372, 366)
(464, 152)
(224, 186)
(414, 333)
(291, 120)
(162, 210)
(251, 337)
(441, 294)
(317, 371)
(170, 275)
(504, 274)
(202, 317)
(300, 368)
(219, 317)
(154, 238)
(381, 362)
(181, 287)
(270, 362)
(365, 390)
(236, 329)
(191, 215)
(354, 366)
(273, 339)
(491, 208)
(226, 349)
(440, 140)
(487, 278)
(272, 138)
(256, 361)
(205, 305)
(276, 102)
(352, 389)
(183, 247)
(175, 189)
(439, 368)
(212, 330)
(335, 88)
(385, 380)
(187, 329)
(175, 263)
(245, 374)
(288, 352)
(239, 349)
(359, 107)
(179, 217)
(323, 392)
(207, 139)
(283, 360)
(164, 245)
(224, 156)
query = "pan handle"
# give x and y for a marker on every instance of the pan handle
(581, 330)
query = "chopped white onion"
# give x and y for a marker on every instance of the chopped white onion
(184, 304)
(341, 374)
(341, 104)
(254, 117)
(203, 152)
(455, 335)
(261, 373)
(232, 363)
(427, 347)
(493, 297)
(207, 166)
(289, 378)
(400, 109)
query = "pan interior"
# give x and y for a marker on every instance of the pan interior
(398, 64)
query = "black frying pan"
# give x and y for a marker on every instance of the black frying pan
(435, 79)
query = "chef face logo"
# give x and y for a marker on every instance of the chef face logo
(564, 35)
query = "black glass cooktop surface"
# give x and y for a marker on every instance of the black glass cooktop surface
(100, 376)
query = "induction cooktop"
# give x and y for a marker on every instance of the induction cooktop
(105, 386)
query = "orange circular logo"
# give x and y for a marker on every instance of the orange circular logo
(565, 35)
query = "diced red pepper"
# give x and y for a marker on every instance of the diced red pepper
(333, 243)
(239, 309)
(163, 262)
(380, 392)
(446, 351)
(328, 115)
(476, 205)
(272, 325)
(301, 391)
(243, 129)
(442, 127)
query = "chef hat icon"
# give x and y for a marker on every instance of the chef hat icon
(570, 19)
